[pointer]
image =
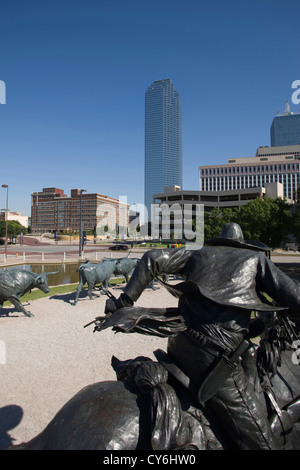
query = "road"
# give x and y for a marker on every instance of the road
(42, 252)
(49, 252)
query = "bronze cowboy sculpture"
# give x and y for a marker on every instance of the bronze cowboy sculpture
(224, 284)
(214, 388)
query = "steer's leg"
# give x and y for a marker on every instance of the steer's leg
(105, 285)
(15, 301)
(79, 289)
(1, 305)
(90, 288)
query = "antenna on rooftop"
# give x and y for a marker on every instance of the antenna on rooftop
(287, 108)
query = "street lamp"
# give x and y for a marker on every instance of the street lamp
(80, 222)
(6, 218)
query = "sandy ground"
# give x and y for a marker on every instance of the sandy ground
(46, 359)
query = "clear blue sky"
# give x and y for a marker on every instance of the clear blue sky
(76, 73)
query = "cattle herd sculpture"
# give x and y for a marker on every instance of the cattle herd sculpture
(96, 273)
(15, 283)
(215, 387)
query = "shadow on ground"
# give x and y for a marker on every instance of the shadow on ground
(12, 312)
(10, 417)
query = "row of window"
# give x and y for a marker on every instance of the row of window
(236, 170)
(290, 182)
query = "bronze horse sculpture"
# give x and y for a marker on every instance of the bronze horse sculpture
(154, 406)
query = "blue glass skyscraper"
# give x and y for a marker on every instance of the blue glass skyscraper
(285, 128)
(163, 139)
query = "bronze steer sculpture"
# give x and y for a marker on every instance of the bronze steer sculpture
(94, 273)
(124, 266)
(16, 282)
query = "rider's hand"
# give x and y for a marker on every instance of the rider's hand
(112, 304)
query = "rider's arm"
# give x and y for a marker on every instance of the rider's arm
(280, 287)
(155, 263)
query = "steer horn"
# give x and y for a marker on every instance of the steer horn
(55, 272)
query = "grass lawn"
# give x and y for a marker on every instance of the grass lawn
(56, 290)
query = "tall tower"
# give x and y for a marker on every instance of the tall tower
(163, 139)
(285, 128)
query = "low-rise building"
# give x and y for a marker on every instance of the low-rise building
(234, 198)
(52, 209)
(175, 209)
(22, 219)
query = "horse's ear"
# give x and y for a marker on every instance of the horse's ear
(116, 364)
(123, 368)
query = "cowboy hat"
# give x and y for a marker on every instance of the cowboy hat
(232, 235)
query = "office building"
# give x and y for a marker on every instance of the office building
(163, 139)
(234, 198)
(177, 209)
(285, 128)
(52, 209)
(270, 165)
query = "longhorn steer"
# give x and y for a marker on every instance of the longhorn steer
(93, 274)
(124, 266)
(16, 282)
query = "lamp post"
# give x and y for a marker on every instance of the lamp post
(80, 222)
(6, 218)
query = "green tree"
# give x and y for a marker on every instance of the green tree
(266, 220)
(296, 217)
(214, 221)
(13, 229)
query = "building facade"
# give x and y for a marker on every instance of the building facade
(177, 209)
(234, 198)
(285, 128)
(270, 165)
(52, 209)
(17, 216)
(163, 139)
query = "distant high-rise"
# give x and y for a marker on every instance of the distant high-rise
(270, 165)
(285, 128)
(163, 139)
